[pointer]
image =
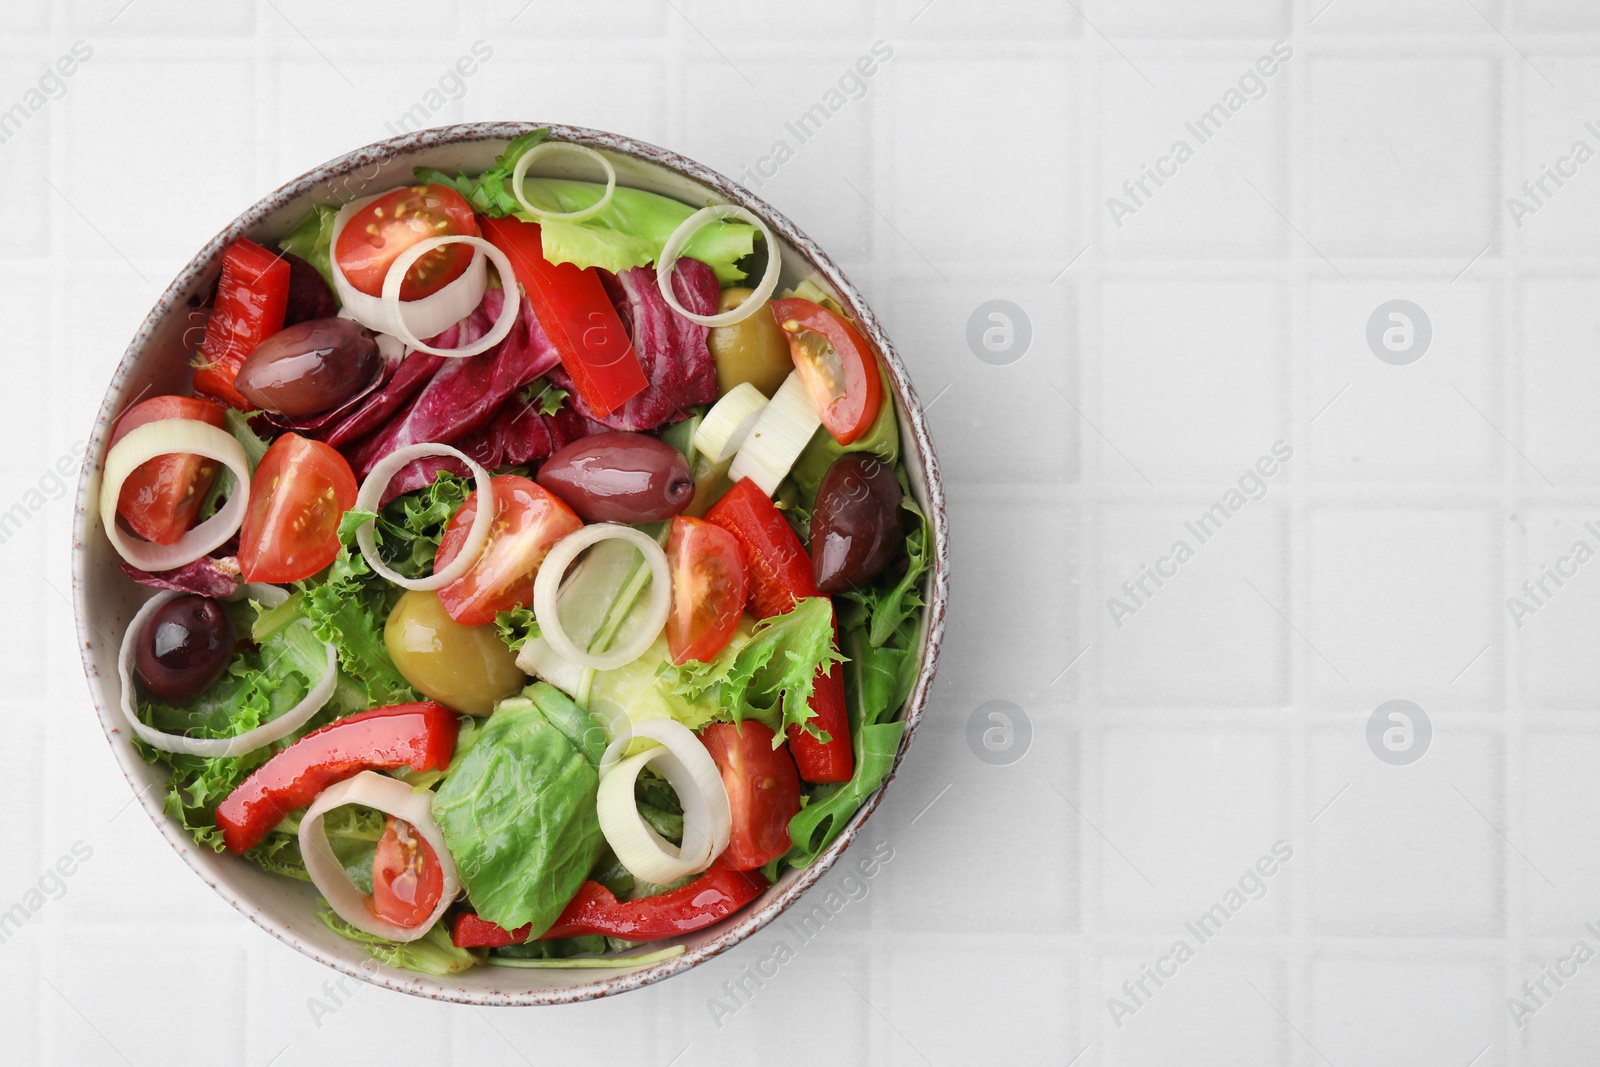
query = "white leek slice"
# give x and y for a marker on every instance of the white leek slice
(689, 769)
(432, 314)
(164, 438)
(729, 422)
(679, 239)
(547, 586)
(372, 492)
(392, 797)
(782, 432)
(396, 277)
(544, 148)
(211, 747)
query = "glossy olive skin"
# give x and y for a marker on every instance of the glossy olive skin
(855, 526)
(310, 367)
(465, 668)
(753, 350)
(620, 477)
(185, 646)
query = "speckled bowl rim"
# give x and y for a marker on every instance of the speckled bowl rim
(173, 300)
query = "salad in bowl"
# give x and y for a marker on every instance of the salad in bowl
(532, 564)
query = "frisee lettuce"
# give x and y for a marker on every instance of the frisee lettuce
(432, 953)
(768, 675)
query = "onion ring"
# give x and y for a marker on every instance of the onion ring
(679, 239)
(520, 171)
(211, 747)
(392, 797)
(693, 775)
(372, 491)
(168, 437)
(508, 309)
(547, 584)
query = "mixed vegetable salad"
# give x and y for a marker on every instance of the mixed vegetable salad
(527, 582)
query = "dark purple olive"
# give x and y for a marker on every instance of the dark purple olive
(620, 477)
(855, 525)
(310, 367)
(185, 646)
(309, 294)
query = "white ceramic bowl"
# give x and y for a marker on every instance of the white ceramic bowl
(157, 361)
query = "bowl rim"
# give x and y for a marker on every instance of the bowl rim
(175, 296)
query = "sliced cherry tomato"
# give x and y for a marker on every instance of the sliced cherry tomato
(407, 880)
(576, 314)
(763, 791)
(529, 520)
(252, 296)
(162, 497)
(839, 369)
(708, 589)
(377, 234)
(298, 495)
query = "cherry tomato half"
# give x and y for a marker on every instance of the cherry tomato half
(406, 877)
(529, 519)
(708, 589)
(298, 495)
(839, 369)
(763, 791)
(162, 497)
(377, 234)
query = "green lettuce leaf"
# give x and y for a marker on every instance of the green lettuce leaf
(312, 240)
(518, 813)
(432, 953)
(877, 682)
(890, 607)
(768, 675)
(516, 627)
(487, 193)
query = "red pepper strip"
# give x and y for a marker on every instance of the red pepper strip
(473, 932)
(252, 296)
(576, 314)
(718, 893)
(779, 573)
(420, 736)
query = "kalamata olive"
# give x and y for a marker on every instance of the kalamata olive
(465, 668)
(620, 477)
(753, 349)
(185, 646)
(309, 294)
(310, 367)
(855, 525)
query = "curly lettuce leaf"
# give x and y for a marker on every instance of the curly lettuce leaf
(432, 953)
(487, 193)
(518, 813)
(516, 627)
(877, 681)
(769, 675)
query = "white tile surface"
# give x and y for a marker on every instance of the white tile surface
(1163, 756)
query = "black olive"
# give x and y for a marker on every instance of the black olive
(184, 647)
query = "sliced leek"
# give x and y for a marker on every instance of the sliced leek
(780, 434)
(547, 585)
(729, 422)
(392, 797)
(371, 493)
(707, 818)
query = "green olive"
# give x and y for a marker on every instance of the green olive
(466, 668)
(752, 350)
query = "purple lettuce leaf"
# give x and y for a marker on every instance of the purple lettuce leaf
(671, 349)
(209, 576)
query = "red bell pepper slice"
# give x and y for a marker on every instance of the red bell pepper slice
(421, 736)
(473, 932)
(779, 573)
(576, 314)
(715, 895)
(252, 296)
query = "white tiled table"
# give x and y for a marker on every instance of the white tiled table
(1166, 755)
